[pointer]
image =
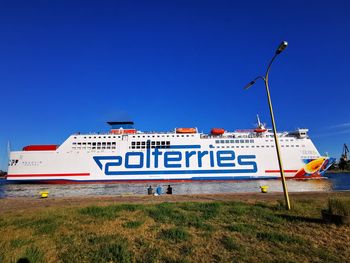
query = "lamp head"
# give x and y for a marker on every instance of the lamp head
(249, 84)
(281, 47)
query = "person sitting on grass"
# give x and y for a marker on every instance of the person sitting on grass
(159, 190)
(169, 190)
(150, 190)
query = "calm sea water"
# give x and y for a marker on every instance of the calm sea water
(333, 182)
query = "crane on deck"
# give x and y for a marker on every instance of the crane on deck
(343, 162)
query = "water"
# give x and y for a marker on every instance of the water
(333, 182)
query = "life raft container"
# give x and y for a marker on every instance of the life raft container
(217, 131)
(186, 130)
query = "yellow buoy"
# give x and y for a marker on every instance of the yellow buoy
(264, 188)
(44, 194)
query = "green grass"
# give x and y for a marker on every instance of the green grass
(175, 232)
(229, 243)
(339, 206)
(276, 237)
(33, 254)
(174, 235)
(132, 224)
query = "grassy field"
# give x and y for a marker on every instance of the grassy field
(219, 231)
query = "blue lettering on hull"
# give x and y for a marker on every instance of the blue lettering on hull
(188, 161)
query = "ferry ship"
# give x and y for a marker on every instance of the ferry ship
(126, 155)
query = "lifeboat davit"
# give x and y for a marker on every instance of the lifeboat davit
(217, 131)
(186, 130)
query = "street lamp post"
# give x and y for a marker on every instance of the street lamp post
(265, 78)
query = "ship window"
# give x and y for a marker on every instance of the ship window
(237, 141)
(246, 141)
(232, 141)
(222, 141)
(257, 146)
(217, 141)
(267, 146)
(241, 141)
(227, 141)
(251, 141)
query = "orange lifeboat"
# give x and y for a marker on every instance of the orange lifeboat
(217, 131)
(260, 130)
(186, 130)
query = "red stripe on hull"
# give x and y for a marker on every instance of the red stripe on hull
(46, 175)
(277, 171)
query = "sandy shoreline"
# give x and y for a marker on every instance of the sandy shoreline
(26, 204)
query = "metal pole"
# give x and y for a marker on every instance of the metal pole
(284, 185)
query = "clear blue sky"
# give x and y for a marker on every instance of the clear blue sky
(68, 66)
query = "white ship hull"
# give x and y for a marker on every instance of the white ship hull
(168, 156)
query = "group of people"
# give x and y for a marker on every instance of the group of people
(159, 190)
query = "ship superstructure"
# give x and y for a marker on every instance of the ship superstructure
(125, 154)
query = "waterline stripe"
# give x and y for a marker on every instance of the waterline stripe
(47, 175)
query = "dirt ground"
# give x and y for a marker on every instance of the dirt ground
(21, 205)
